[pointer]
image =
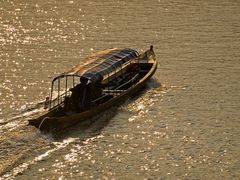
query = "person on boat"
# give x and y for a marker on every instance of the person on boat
(78, 95)
(75, 96)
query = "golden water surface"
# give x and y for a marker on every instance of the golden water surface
(183, 125)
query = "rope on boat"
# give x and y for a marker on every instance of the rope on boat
(39, 127)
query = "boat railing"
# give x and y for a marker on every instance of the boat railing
(114, 91)
(67, 86)
(60, 99)
(118, 90)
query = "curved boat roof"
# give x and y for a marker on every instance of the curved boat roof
(98, 65)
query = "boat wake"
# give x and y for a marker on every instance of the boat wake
(28, 146)
(24, 166)
(79, 135)
(21, 116)
(17, 139)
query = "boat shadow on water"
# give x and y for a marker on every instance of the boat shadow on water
(92, 127)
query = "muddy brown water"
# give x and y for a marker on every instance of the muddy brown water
(183, 125)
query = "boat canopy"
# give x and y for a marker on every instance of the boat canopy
(95, 67)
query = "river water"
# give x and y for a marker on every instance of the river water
(183, 125)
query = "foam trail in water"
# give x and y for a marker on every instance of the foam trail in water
(24, 166)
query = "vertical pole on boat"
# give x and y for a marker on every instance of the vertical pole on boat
(73, 81)
(66, 86)
(58, 89)
(51, 94)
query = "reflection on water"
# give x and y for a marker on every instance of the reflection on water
(184, 124)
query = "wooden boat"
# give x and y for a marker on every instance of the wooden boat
(114, 74)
